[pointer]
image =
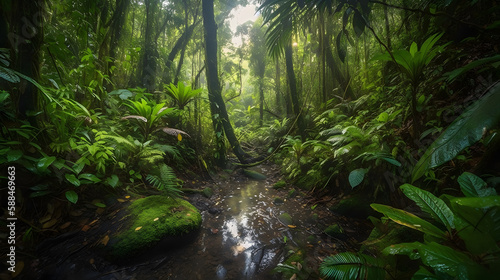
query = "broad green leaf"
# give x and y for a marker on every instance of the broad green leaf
(72, 196)
(14, 155)
(40, 193)
(90, 177)
(44, 163)
(440, 258)
(392, 161)
(407, 219)
(358, 24)
(481, 213)
(113, 181)
(430, 204)
(424, 274)
(459, 71)
(463, 132)
(356, 177)
(72, 179)
(473, 186)
(383, 117)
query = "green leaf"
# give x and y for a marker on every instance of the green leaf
(98, 204)
(383, 117)
(14, 155)
(72, 196)
(40, 193)
(481, 213)
(113, 181)
(473, 186)
(440, 258)
(424, 274)
(356, 176)
(72, 179)
(392, 161)
(463, 132)
(90, 177)
(358, 23)
(44, 163)
(353, 266)
(407, 219)
(430, 204)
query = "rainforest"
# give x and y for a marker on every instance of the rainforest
(250, 139)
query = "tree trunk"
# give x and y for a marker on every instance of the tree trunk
(26, 40)
(261, 99)
(220, 117)
(150, 52)
(278, 87)
(180, 44)
(293, 89)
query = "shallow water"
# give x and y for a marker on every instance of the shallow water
(241, 237)
(243, 241)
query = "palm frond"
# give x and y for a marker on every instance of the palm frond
(348, 265)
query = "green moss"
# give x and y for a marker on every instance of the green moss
(286, 219)
(292, 193)
(152, 219)
(334, 230)
(208, 192)
(278, 185)
(278, 200)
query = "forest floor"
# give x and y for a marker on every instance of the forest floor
(244, 235)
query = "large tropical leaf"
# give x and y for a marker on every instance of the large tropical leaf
(481, 213)
(349, 265)
(430, 204)
(407, 219)
(463, 132)
(440, 258)
(473, 186)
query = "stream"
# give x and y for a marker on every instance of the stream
(241, 237)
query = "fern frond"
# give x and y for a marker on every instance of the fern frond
(348, 265)
(165, 181)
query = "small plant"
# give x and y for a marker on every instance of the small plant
(149, 116)
(182, 94)
(166, 181)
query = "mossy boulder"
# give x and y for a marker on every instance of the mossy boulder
(280, 184)
(278, 201)
(334, 230)
(155, 221)
(208, 192)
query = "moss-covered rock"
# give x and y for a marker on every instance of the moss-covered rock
(278, 185)
(152, 221)
(292, 193)
(278, 201)
(208, 192)
(334, 230)
(286, 219)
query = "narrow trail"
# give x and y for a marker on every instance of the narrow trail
(242, 237)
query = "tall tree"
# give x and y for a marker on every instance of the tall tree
(26, 38)
(220, 117)
(150, 53)
(258, 61)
